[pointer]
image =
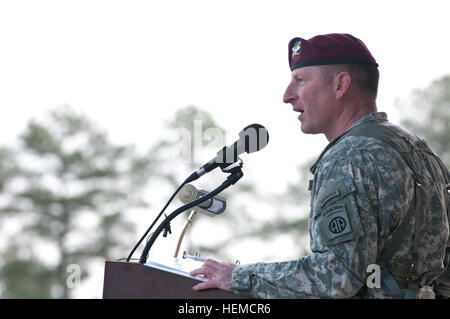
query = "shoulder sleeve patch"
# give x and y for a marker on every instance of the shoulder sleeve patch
(336, 224)
(337, 214)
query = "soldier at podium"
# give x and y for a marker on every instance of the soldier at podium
(379, 196)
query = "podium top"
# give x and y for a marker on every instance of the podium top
(178, 266)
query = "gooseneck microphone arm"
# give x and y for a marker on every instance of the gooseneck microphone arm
(156, 219)
(236, 174)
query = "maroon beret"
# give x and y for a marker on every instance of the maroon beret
(334, 48)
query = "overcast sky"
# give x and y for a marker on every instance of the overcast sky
(129, 65)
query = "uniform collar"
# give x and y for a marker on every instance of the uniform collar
(374, 116)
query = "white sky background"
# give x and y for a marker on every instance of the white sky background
(129, 65)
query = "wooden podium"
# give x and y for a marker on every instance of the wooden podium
(126, 280)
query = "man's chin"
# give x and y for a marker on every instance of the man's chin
(305, 129)
(308, 130)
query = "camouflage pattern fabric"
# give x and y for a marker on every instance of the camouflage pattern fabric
(362, 189)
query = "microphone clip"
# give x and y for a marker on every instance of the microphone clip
(231, 168)
(167, 229)
(235, 171)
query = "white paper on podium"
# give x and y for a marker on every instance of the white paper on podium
(179, 266)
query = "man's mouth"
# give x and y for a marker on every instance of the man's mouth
(300, 117)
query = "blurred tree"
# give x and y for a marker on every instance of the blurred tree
(287, 215)
(180, 148)
(65, 190)
(427, 114)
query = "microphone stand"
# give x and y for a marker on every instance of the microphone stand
(236, 173)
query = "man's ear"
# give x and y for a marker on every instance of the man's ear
(341, 84)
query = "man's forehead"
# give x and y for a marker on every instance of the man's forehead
(306, 71)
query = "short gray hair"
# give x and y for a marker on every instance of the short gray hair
(366, 77)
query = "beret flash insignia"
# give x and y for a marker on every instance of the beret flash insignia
(296, 51)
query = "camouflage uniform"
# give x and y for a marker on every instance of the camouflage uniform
(361, 192)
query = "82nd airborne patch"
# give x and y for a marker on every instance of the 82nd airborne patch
(335, 224)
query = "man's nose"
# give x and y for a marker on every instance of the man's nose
(289, 95)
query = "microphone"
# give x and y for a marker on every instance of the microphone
(252, 138)
(210, 207)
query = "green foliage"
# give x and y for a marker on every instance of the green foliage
(289, 215)
(297, 192)
(427, 114)
(68, 187)
(187, 116)
(17, 275)
(8, 168)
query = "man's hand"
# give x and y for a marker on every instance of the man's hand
(220, 274)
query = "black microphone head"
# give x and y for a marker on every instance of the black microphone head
(254, 137)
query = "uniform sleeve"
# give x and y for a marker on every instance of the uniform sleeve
(442, 287)
(344, 235)
(319, 275)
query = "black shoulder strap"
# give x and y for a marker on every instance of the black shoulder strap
(402, 146)
(399, 142)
